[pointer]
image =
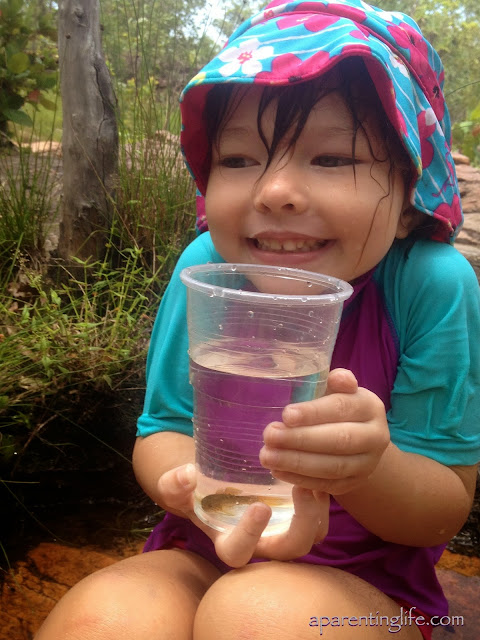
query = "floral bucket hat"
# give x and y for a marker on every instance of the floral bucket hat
(293, 42)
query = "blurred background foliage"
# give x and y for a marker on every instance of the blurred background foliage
(28, 58)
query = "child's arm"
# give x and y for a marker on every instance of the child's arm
(157, 454)
(414, 500)
(340, 444)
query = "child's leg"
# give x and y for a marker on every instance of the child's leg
(150, 596)
(281, 601)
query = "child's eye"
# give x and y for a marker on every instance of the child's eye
(333, 161)
(236, 162)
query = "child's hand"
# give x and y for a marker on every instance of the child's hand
(329, 444)
(309, 524)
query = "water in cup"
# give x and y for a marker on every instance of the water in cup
(240, 387)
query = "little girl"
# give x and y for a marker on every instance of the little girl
(320, 139)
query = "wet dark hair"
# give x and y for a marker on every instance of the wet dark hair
(349, 78)
(294, 102)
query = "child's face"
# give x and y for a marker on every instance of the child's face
(309, 209)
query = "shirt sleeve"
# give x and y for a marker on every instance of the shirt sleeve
(168, 402)
(435, 403)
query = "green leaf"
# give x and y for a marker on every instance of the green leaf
(55, 297)
(12, 101)
(47, 80)
(106, 378)
(475, 115)
(18, 117)
(18, 63)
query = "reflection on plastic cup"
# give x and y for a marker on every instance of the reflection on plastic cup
(260, 338)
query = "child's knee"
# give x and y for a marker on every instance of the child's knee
(133, 599)
(257, 601)
(276, 600)
(102, 606)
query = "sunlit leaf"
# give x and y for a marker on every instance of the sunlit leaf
(475, 115)
(18, 63)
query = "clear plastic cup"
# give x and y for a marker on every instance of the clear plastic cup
(260, 337)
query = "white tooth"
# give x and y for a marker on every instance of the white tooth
(289, 245)
(275, 245)
(300, 244)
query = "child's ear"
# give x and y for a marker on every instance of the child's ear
(408, 220)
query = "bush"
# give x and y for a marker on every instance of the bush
(28, 61)
(466, 136)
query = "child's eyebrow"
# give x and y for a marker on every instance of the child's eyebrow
(338, 131)
(327, 131)
(235, 132)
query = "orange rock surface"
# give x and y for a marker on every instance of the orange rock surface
(33, 586)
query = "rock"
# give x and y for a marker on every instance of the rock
(469, 183)
(468, 240)
(459, 158)
(462, 593)
(34, 585)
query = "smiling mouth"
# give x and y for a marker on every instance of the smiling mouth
(289, 246)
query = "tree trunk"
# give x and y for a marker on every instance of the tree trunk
(90, 136)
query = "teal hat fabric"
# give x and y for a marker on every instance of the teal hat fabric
(293, 42)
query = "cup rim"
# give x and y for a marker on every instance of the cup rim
(342, 290)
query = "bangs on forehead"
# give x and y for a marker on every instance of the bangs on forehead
(294, 103)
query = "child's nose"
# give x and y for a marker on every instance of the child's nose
(281, 190)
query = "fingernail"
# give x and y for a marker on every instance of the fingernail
(186, 476)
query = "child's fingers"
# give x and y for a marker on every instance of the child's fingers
(309, 525)
(361, 406)
(347, 438)
(341, 381)
(322, 499)
(176, 487)
(333, 486)
(236, 548)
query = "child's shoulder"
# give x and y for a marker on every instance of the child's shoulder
(427, 282)
(199, 251)
(426, 266)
